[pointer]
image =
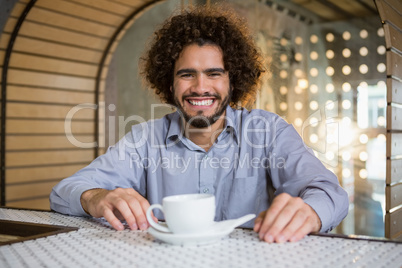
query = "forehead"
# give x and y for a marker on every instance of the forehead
(193, 56)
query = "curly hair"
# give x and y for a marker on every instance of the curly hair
(205, 25)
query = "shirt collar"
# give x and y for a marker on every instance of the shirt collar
(232, 122)
(174, 130)
(231, 125)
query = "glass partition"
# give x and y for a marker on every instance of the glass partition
(327, 78)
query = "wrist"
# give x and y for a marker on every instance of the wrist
(86, 197)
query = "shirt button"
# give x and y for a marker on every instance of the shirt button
(206, 190)
(206, 157)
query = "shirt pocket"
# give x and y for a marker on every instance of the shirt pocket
(243, 196)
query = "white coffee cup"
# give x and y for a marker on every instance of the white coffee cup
(185, 214)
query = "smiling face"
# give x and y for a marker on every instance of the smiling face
(201, 85)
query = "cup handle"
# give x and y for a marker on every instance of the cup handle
(152, 222)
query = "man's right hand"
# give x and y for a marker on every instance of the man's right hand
(115, 205)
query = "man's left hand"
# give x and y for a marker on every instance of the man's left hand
(287, 219)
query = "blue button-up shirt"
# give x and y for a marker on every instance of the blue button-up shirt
(256, 157)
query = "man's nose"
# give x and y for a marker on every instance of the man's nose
(200, 85)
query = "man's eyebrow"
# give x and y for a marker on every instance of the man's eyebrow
(209, 70)
(214, 70)
(185, 71)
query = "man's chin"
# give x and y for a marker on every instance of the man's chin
(201, 122)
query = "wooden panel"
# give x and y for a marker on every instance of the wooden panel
(49, 80)
(388, 13)
(41, 203)
(48, 127)
(393, 196)
(393, 38)
(37, 63)
(18, 9)
(23, 159)
(24, 44)
(10, 25)
(29, 190)
(2, 54)
(132, 3)
(394, 171)
(323, 10)
(394, 91)
(26, 110)
(369, 3)
(394, 147)
(394, 118)
(21, 142)
(394, 64)
(101, 150)
(77, 10)
(396, 4)
(17, 93)
(4, 39)
(45, 32)
(19, 175)
(107, 6)
(393, 224)
(69, 22)
(358, 9)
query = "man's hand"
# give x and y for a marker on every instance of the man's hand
(287, 219)
(116, 205)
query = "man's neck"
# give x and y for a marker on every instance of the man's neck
(205, 137)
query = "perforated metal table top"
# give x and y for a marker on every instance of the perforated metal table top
(95, 244)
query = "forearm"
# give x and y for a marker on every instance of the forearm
(65, 196)
(92, 195)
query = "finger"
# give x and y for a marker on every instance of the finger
(258, 221)
(290, 230)
(312, 224)
(283, 219)
(300, 233)
(272, 213)
(111, 218)
(125, 210)
(154, 218)
(138, 212)
(145, 206)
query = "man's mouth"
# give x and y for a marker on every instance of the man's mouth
(207, 102)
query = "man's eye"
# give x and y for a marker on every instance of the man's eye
(186, 75)
(215, 74)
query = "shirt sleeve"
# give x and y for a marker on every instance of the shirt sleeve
(301, 174)
(117, 168)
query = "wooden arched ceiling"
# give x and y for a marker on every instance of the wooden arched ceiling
(54, 55)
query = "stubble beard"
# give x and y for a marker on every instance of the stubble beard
(199, 120)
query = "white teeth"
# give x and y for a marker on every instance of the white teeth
(201, 103)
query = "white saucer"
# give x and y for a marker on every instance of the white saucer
(216, 233)
(189, 239)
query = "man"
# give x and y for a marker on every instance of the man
(202, 61)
